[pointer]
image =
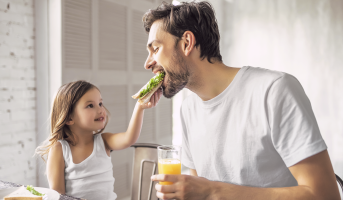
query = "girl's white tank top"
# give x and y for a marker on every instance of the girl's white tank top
(92, 179)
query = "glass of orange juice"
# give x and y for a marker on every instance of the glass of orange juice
(169, 161)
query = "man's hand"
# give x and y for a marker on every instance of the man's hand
(184, 187)
(315, 176)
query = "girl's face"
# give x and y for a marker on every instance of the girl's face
(89, 113)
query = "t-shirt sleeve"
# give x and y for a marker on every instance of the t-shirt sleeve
(294, 130)
(186, 157)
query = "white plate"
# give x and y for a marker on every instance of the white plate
(52, 194)
(5, 192)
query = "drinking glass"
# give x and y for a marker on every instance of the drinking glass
(169, 161)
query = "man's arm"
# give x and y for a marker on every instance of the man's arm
(316, 172)
(315, 176)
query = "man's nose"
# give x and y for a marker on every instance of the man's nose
(149, 63)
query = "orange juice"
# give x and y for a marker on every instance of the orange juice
(169, 166)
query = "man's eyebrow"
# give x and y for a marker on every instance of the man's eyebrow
(150, 44)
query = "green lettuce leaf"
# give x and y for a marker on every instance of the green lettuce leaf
(152, 83)
(33, 191)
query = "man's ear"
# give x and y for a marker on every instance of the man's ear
(189, 41)
(70, 122)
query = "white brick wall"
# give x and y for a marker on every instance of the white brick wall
(17, 92)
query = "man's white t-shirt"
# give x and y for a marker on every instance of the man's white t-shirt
(260, 125)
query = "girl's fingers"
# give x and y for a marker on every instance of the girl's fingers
(156, 98)
(160, 94)
(152, 100)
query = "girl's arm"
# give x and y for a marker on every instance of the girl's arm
(126, 139)
(55, 168)
(193, 172)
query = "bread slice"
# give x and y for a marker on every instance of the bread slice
(136, 96)
(22, 194)
(146, 98)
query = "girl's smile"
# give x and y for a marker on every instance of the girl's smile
(100, 119)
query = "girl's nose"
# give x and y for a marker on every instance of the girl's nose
(101, 110)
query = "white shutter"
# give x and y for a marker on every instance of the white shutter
(112, 35)
(122, 171)
(122, 182)
(115, 100)
(164, 123)
(139, 39)
(77, 34)
(159, 2)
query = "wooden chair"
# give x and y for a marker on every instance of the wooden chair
(340, 182)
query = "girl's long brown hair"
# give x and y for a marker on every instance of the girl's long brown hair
(67, 97)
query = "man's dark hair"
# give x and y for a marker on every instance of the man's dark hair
(197, 17)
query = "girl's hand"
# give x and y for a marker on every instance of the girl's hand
(153, 100)
(126, 139)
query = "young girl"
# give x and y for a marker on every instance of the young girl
(78, 153)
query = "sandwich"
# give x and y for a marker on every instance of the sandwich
(22, 193)
(145, 93)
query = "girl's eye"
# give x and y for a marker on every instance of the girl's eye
(155, 50)
(100, 104)
(90, 106)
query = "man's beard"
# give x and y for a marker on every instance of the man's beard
(176, 80)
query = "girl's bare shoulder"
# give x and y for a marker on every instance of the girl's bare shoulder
(56, 150)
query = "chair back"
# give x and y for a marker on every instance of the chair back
(340, 182)
(145, 164)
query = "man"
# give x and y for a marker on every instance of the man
(248, 133)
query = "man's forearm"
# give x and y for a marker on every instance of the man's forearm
(224, 190)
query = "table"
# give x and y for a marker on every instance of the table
(5, 185)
